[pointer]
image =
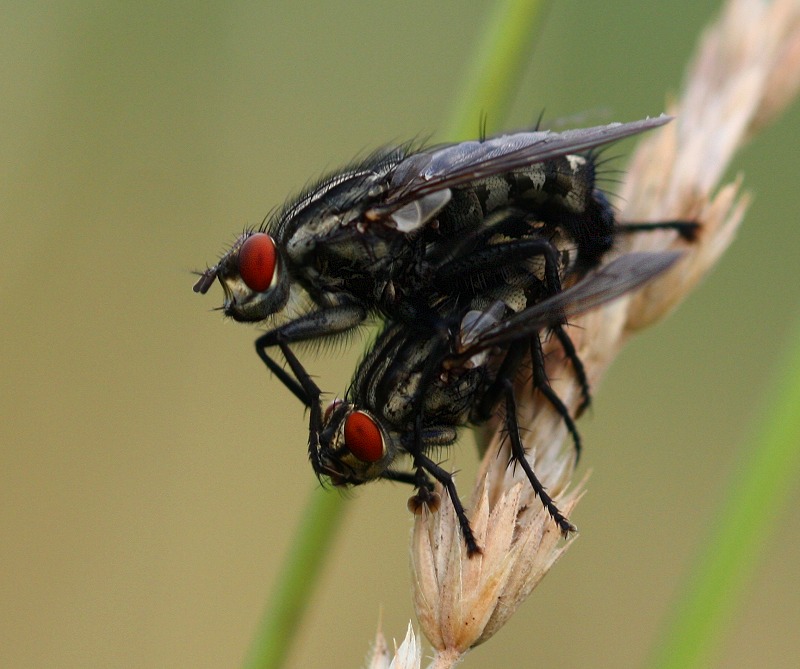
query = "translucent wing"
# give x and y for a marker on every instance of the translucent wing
(611, 281)
(445, 167)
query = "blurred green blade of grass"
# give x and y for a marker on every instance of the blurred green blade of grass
(295, 585)
(498, 63)
(758, 493)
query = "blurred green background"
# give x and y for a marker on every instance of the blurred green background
(153, 473)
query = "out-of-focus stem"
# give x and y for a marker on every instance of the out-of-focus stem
(496, 67)
(297, 580)
(747, 517)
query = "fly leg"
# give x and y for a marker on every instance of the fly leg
(286, 379)
(577, 366)
(505, 375)
(321, 323)
(309, 393)
(499, 259)
(504, 255)
(542, 384)
(424, 464)
(686, 229)
(518, 456)
(425, 436)
(486, 404)
(425, 497)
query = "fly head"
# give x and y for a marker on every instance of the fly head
(252, 275)
(353, 445)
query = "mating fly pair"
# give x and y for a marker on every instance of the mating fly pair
(424, 239)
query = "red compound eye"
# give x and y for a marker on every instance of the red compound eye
(257, 261)
(362, 437)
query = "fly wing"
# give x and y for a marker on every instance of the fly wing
(456, 164)
(621, 276)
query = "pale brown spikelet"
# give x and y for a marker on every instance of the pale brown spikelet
(461, 601)
(407, 656)
(379, 657)
(746, 70)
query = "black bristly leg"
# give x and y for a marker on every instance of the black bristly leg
(518, 456)
(411, 478)
(323, 322)
(505, 375)
(446, 479)
(577, 365)
(686, 229)
(291, 383)
(508, 369)
(477, 236)
(542, 384)
(320, 323)
(424, 495)
(500, 256)
(313, 393)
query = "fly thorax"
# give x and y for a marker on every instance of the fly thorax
(298, 304)
(306, 237)
(448, 401)
(463, 213)
(399, 403)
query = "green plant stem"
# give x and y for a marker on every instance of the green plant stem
(297, 579)
(489, 85)
(757, 495)
(497, 65)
